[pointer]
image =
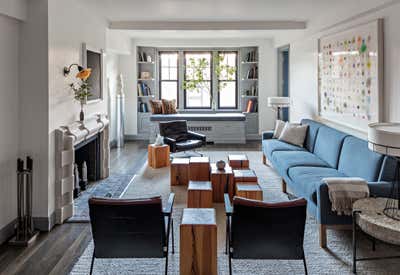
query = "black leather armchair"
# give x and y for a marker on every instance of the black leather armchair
(261, 230)
(179, 139)
(138, 228)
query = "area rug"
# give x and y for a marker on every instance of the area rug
(112, 186)
(337, 259)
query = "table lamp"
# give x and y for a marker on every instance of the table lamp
(384, 138)
(277, 103)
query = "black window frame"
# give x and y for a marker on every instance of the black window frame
(168, 80)
(211, 79)
(236, 83)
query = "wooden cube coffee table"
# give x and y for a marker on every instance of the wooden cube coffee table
(199, 169)
(199, 194)
(180, 171)
(249, 190)
(239, 161)
(198, 242)
(219, 179)
(158, 155)
(245, 175)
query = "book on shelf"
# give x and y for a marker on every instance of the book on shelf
(251, 106)
(143, 89)
(251, 56)
(143, 108)
(252, 73)
(143, 57)
(253, 91)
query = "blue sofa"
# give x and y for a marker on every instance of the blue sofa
(327, 152)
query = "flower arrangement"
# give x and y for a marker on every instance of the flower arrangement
(81, 88)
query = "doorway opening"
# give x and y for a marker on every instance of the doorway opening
(283, 77)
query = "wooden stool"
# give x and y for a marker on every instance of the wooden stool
(180, 171)
(249, 191)
(199, 194)
(238, 161)
(158, 155)
(198, 242)
(219, 179)
(199, 169)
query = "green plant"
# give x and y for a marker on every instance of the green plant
(81, 90)
(197, 80)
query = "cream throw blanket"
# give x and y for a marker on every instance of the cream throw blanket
(343, 192)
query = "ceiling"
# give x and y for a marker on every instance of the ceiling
(315, 13)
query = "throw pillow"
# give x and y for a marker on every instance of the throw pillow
(169, 106)
(279, 125)
(294, 134)
(156, 106)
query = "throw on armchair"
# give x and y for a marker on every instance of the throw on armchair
(179, 139)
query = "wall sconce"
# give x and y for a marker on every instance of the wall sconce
(67, 70)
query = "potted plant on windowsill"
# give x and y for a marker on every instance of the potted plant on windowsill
(81, 89)
(197, 79)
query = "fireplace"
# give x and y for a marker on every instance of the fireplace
(88, 151)
(82, 141)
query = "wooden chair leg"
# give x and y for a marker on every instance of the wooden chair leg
(284, 188)
(322, 236)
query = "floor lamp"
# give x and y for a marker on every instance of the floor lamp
(384, 138)
(277, 103)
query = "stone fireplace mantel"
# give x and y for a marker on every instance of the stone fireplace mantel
(66, 138)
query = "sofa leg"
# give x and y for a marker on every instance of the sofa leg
(322, 236)
(264, 160)
(284, 188)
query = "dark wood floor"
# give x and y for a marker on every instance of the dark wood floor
(56, 252)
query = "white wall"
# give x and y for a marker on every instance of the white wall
(267, 73)
(33, 103)
(14, 8)
(9, 118)
(303, 66)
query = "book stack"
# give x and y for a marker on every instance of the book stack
(252, 91)
(252, 73)
(143, 89)
(143, 57)
(251, 56)
(251, 106)
(143, 108)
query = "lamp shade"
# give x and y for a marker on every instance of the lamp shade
(384, 138)
(278, 101)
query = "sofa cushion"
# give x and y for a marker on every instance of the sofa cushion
(306, 179)
(287, 159)
(328, 145)
(312, 132)
(356, 160)
(272, 145)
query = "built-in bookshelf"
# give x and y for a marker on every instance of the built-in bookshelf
(249, 79)
(146, 78)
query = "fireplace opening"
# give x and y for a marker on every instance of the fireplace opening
(87, 153)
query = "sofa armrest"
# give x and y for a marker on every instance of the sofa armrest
(198, 136)
(171, 142)
(380, 189)
(267, 134)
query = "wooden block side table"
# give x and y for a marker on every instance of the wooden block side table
(198, 242)
(179, 171)
(199, 169)
(219, 179)
(200, 194)
(239, 161)
(249, 191)
(158, 155)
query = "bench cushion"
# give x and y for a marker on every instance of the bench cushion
(308, 179)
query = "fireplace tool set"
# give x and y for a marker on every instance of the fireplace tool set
(25, 232)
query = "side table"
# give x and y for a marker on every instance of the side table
(222, 182)
(158, 155)
(368, 216)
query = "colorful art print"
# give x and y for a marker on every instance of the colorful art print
(350, 76)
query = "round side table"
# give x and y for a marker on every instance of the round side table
(368, 216)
